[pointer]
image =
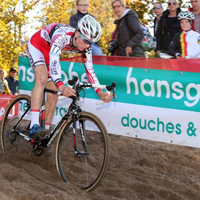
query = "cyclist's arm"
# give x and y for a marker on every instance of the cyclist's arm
(59, 41)
(91, 76)
(55, 69)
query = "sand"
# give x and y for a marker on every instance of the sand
(138, 170)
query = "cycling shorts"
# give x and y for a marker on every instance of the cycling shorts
(38, 50)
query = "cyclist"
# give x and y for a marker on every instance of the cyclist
(44, 48)
(185, 44)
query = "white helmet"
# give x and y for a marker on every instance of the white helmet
(186, 15)
(90, 28)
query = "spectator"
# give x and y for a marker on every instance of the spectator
(129, 32)
(82, 10)
(12, 82)
(168, 26)
(196, 10)
(185, 44)
(4, 89)
(157, 10)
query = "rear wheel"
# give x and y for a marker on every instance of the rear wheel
(86, 166)
(12, 124)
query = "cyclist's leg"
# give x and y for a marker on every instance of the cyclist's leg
(37, 93)
(51, 101)
(38, 53)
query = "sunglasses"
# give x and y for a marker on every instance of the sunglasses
(83, 5)
(85, 40)
(172, 3)
(159, 7)
(113, 7)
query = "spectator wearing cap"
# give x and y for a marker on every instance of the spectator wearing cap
(157, 10)
(12, 81)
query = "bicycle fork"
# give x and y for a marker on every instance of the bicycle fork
(79, 125)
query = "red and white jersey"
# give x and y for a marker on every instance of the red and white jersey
(45, 47)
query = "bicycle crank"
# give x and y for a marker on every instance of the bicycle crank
(38, 147)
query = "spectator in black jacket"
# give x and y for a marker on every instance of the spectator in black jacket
(129, 32)
(82, 10)
(12, 82)
(168, 26)
(157, 10)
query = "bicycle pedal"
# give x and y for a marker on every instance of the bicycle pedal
(40, 135)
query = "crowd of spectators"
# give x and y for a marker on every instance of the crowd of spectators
(172, 27)
(167, 29)
(9, 84)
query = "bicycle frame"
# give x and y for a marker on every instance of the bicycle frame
(73, 110)
(48, 139)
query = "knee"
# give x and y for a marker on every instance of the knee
(41, 81)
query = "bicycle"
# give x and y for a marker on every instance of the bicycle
(82, 148)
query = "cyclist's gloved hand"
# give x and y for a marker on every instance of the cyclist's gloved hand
(105, 96)
(67, 91)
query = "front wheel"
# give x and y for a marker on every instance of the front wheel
(86, 165)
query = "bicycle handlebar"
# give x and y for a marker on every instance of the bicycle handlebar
(77, 85)
(74, 81)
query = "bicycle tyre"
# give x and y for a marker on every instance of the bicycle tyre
(84, 171)
(10, 142)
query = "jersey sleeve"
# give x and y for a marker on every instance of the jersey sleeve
(59, 40)
(91, 76)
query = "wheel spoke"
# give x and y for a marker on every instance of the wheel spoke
(87, 169)
(12, 124)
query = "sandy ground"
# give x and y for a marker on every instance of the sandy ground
(138, 169)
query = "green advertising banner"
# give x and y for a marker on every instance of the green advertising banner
(159, 88)
(154, 104)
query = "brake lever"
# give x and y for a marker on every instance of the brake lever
(114, 94)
